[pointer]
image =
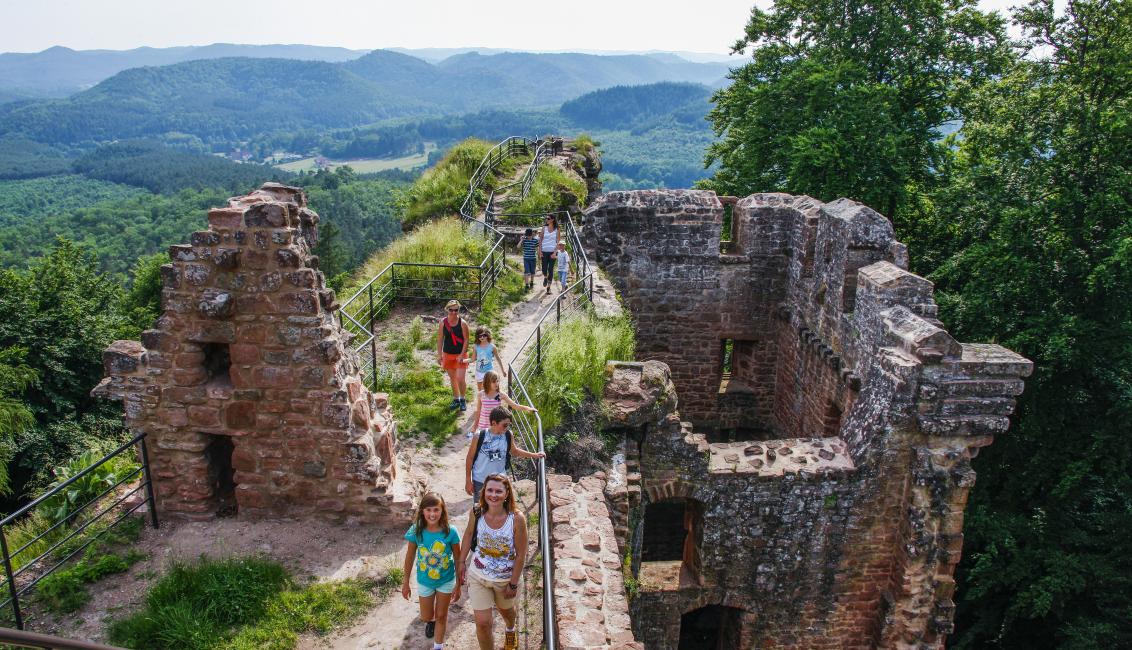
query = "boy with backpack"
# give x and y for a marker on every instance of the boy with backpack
(491, 452)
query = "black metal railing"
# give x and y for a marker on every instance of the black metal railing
(17, 565)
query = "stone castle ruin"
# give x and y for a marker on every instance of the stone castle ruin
(797, 437)
(809, 492)
(246, 386)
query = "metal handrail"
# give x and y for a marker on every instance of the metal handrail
(146, 484)
(23, 639)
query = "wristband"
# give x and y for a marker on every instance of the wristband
(513, 586)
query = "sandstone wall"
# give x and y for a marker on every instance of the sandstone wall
(246, 383)
(835, 521)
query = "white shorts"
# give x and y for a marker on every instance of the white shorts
(479, 375)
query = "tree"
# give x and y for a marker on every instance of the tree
(847, 97)
(15, 416)
(63, 312)
(1032, 235)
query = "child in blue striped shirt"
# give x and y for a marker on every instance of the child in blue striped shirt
(529, 244)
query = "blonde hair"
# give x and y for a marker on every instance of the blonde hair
(490, 377)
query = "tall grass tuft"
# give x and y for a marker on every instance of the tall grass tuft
(552, 190)
(237, 604)
(440, 191)
(573, 363)
(447, 241)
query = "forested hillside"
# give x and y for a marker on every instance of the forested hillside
(223, 100)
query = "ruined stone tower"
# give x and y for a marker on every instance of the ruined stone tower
(809, 490)
(246, 386)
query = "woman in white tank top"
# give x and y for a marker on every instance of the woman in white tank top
(548, 243)
(497, 548)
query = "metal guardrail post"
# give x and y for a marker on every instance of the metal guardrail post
(558, 311)
(373, 339)
(148, 483)
(538, 349)
(11, 580)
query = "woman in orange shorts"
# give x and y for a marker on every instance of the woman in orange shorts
(452, 352)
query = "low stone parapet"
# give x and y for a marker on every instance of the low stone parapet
(589, 589)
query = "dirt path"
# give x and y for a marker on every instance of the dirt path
(395, 623)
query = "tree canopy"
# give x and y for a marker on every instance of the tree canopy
(848, 97)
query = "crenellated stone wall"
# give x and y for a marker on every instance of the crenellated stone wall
(822, 484)
(246, 384)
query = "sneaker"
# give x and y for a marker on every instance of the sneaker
(510, 641)
(429, 629)
(455, 403)
(463, 405)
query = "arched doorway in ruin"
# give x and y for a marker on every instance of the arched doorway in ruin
(712, 627)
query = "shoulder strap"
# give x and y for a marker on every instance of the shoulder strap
(479, 443)
(507, 457)
(475, 527)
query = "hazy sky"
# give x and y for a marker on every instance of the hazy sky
(688, 25)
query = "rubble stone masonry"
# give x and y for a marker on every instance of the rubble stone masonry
(818, 490)
(246, 385)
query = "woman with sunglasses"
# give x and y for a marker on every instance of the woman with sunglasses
(452, 352)
(548, 244)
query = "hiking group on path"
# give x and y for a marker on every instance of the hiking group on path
(489, 563)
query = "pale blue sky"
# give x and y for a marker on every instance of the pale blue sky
(695, 25)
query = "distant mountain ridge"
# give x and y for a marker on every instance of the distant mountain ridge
(232, 98)
(60, 71)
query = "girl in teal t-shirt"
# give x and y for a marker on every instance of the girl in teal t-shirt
(433, 548)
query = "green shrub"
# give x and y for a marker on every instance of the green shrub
(89, 487)
(573, 363)
(65, 589)
(237, 604)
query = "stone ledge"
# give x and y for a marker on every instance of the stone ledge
(776, 458)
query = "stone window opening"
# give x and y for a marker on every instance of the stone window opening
(726, 357)
(728, 241)
(221, 474)
(217, 363)
(673, 532)
(714, 627)
(849, 291)
(831, 421)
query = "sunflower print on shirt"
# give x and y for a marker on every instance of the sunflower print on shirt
(432, 561)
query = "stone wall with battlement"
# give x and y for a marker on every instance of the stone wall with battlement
(822, 483)
(246, 383)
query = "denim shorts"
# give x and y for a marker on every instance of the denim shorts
(529, 265)
(446, 588)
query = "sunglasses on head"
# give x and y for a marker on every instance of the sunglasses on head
(454, 310)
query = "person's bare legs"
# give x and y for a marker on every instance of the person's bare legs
(441, 615)
(483, 628)
(427, 607)
(455, 380)
(508, 617)
(462, 379)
